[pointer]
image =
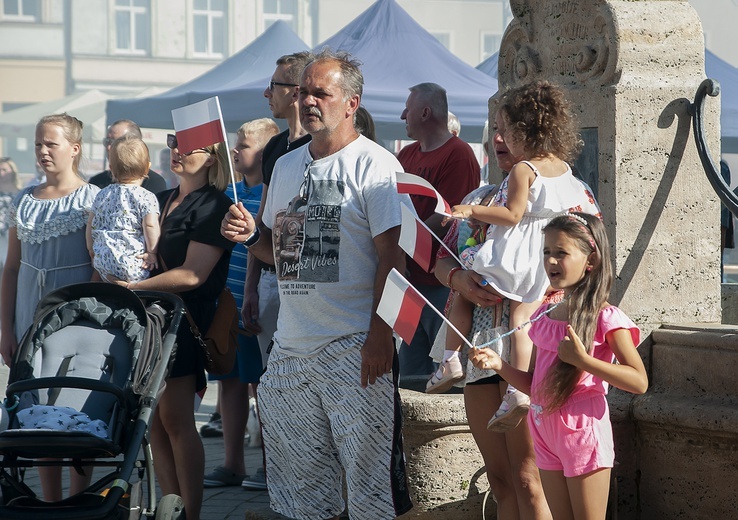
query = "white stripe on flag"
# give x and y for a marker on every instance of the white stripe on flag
(196, 114)
(416, 185)
(411, 242)
(408, 231)
(198, 125)
(401, 304)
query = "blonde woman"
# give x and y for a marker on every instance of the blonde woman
(193, 262)
(46, 247)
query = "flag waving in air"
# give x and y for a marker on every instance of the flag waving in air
(401, 305)
(416, 239)
(201, 125)
(415, 185)
(198, 125)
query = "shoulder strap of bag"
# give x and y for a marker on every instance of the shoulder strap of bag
(193, 326)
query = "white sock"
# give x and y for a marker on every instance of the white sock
(448, 354)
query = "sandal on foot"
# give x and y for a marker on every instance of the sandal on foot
(445, 377)
(513, 409)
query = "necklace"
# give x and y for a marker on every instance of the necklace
(521, 327)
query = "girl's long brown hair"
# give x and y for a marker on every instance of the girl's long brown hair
(585, 301)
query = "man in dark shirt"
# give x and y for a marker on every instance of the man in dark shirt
(449, 164)
(261, 293)
(154, 182)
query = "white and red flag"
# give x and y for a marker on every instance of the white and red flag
(198, 125)
(416, 239)
(416, 185)
(401, 305)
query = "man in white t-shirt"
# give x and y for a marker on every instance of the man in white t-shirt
(328, 399)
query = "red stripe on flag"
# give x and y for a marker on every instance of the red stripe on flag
(411, 188)
(423, 254)
(415, 189)
(199, 136)
(409, 315)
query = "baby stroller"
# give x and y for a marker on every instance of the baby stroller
(81, 392)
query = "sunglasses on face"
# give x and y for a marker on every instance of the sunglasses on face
(273, 83)
(172, 144)
(107, 141)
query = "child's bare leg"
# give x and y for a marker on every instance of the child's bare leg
(460, 316)
(450, 370)
(521, 346)
(515, 404)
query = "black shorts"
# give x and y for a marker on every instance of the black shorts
(492, 380)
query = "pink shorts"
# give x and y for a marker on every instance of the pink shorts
(575, 439)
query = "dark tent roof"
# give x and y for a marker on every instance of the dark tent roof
(396, 53)
(727, 76)
(255, 61)
(715, 68)
(489, 66)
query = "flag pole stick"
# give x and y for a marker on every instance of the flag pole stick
(448, 323)
(442, 243)
(228, 151)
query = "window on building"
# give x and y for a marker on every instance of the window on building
(132, 26)
(285, 10)
(490, 44)
(209, 19)
(21, 10)
(444, 37)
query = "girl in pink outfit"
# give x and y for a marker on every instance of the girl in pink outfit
(537, 124)
(576, 344)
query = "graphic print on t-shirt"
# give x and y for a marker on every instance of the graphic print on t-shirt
(307, 237)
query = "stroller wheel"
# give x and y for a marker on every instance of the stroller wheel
(171, 507)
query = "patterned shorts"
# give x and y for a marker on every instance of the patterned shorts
(317, 420)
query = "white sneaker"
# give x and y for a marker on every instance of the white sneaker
(513, 409)
(445, 377)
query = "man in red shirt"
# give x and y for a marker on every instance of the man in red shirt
(450, 165)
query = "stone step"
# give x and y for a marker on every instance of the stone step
(695, 360)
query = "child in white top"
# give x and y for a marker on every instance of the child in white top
(536, 123)
(123, 227)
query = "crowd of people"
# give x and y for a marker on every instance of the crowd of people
(306, 250)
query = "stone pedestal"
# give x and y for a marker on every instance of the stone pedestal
(631, 69)
(445, 469)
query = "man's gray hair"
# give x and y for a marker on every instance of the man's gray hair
(131, 127)
(352, 80)
(433, 96)
(295, 63)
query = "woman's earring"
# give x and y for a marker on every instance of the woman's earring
(589, 268)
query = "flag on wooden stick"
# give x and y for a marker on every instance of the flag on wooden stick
(401, 306)
(416, 239)
(198, 125)
(415, 185)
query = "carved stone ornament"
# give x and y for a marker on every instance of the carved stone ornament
(568, 41)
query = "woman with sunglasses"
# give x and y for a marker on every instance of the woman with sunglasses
(193, 262)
